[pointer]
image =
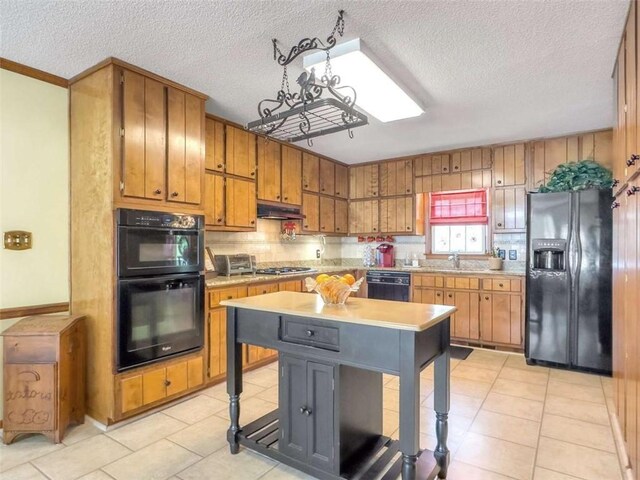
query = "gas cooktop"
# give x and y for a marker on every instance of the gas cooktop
(285, 270)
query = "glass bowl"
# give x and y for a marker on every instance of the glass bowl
(333, 290)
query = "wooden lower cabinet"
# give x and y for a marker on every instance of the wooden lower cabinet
(490, 310)
(153, 384)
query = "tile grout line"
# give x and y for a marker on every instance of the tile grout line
(613, 434)
(544, 405)
(34, 466)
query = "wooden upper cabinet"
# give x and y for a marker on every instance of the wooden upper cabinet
(396, 178)
(619, 165)
(240, 155)
(291, 175)
(364, 181)
(310, 172)
(327, 215)
(214, 197)
(509, 165)
(341, 216)
(185, 149)
(144, 141)
(327, 177)
(364, 216)
(342, 181)
(269, 163)
(240, 198)
(311, 212)
(397, 215)
(214, 151)
(432, 164)
(509, 209)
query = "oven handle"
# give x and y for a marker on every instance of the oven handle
(182, 277)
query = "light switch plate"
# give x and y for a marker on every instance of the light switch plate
(17, 240)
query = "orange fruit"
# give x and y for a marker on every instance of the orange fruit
(349, 278)
(344, 280)
(323, 277)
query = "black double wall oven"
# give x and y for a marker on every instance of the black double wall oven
(160, 290)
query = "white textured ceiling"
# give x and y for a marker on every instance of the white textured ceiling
(485, 71)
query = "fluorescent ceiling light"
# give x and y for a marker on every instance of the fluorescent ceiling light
(376, 92)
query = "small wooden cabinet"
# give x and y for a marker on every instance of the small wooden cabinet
(310, 172)
(509, 165)
(364, 216)
(327, 177)
(291, 173)
(311, 211)
(341, 216)
(396, 178)
(214, 145)
(509, 209)
(327, 215)
(397, 215)
(342, 181)
(269, 168)
(364, 181)
(240, 203)
(240, 155)
(44, 376)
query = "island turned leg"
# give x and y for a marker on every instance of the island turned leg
(441, 406)
(409, 405)
(234, 380)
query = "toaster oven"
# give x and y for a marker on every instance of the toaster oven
(235, 264)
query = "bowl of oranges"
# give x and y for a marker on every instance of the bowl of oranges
(333, 289)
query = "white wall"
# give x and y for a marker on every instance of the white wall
(34, 190)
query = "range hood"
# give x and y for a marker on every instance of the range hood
(273, 212)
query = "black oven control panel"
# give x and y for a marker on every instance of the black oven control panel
(143, 218)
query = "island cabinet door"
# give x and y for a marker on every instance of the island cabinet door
(320, 408)
(293, 404)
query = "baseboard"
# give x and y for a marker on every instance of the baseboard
(621, 448)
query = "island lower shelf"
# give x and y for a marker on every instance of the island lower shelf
(381, 459)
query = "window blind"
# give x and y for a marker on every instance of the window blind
(461, 208)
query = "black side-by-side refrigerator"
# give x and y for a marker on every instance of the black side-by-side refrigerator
(568, 308)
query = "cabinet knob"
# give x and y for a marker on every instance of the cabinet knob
(253, 173)
(306, 226)
(499, 182)
(229, 297)
(167, 383)
(253, 222)
(437, 294)
(322, 228)
(615, 205)
(157, 191)
(486, 298)
(219, 165)
(408, 190)
(305, 411)
(310, 333)
(174, 194)
(632, 160)
(278, 197)
(499, 224)
(408, 228)
(338, 229)
(633, 190)
(445, 169)
(375, 193)
(286, 198)
(323, 189)
(450, 295)
(306, 186)
(456, 167)
(615, 183)
(219, 220)
(375, 229)
(500, 285)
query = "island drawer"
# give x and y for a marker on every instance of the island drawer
(304, 332)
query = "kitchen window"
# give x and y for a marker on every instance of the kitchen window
(458, 222)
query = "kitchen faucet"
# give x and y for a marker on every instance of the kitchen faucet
(455, 259)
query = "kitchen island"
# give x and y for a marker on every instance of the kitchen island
(332, 357)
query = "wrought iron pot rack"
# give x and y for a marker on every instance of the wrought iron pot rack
(306, 114)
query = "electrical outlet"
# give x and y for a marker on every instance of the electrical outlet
(318, 253)
(513, 254)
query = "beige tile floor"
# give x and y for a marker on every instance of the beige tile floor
(508, 421)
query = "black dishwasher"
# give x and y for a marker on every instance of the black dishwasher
(388, 285)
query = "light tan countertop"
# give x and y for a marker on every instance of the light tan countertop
(364, 311)
(224, 281)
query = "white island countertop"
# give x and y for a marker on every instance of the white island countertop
(364, 311)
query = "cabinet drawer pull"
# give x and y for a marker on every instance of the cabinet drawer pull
(174, 194)
(305, 411)
(501, 285)
(310, 333)
(450, 295)
(157, 192)
(633, 190)
(632, 161)
(615, 205)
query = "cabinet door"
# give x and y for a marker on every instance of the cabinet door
(506, 318)
(364, 216)
(214, 145)
(153, 385)
(144, 141)
(177, 378)
(631, 91)
(293, 401)
(214, 319)
(486, 317)
(327, 177)
(509, 209)
(240, 198)
(311, 211)
(240, 154)
(130, 393)
(290, 286)
(452, 181)
(508, 165)
(467, 321)
(291, 173)
(396, 178)
(185, 161)
(472, 159)
(214, 199)
(342, 181)
(364, 181)
(310, 172)
(396, 215)
(269, 173)
(341, 216)
(320, 403)
(194, 372)
(30, 396)
(448, 298)
(327, 215)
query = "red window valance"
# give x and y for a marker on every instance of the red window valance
(462, 207)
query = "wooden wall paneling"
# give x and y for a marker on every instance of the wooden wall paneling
(214, 141)
(342, 181)
(310, 172)
(452, 181)
(214, 199)
(269, 168)
(175, 145)
(422, 165)
(240, 200)
(194, 148)
(291, 175)
(240, 153)
(155, 141)
(327, 215)
(311, 211)
(327, 177)
(341, 216)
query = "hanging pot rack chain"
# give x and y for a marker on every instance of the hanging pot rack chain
(309, 115)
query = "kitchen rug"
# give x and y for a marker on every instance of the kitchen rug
(460, 353)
